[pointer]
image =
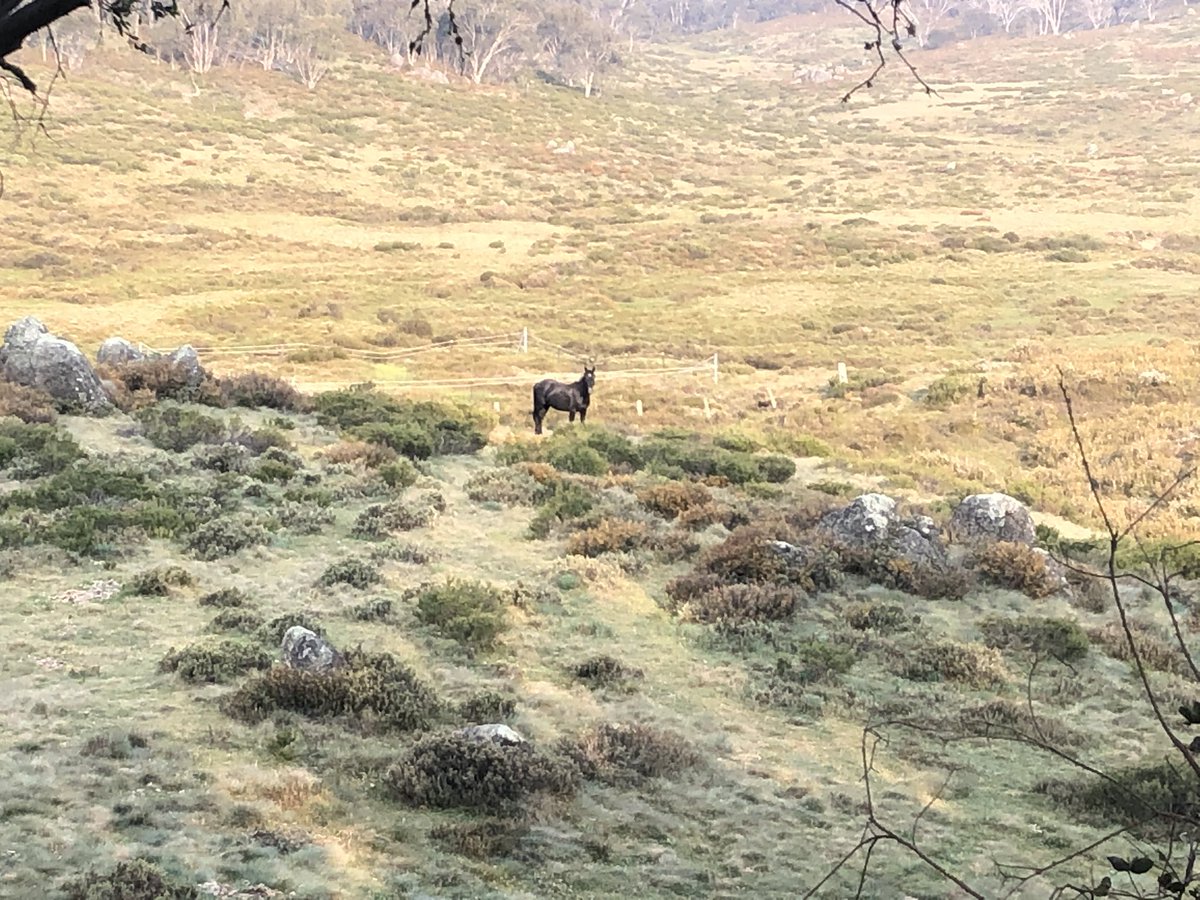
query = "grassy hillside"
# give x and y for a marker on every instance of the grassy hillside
(952, 252)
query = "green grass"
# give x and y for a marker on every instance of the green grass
(699, 222)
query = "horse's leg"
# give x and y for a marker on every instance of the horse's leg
(571, 415)
(583, 415)
(537, 421)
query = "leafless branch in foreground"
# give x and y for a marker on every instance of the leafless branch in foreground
(887, 27)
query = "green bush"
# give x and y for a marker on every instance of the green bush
(240, 620)
(381, 519)
(215, 661)
(354, 571)
(137, 879)
(373, 691)
(304, 518)
(418, 429)
(399, 474)
(620, 452)
(454, 771)
(1150, 797)
(775, 469)
(949, 389)
(178, 428)
(33, 451)
(486, 708)
(227, 535)
(577, 458)
(488, 839)
(1061, 639)
(564, 503)
(378, 609)
(470, 612)
(619, 753)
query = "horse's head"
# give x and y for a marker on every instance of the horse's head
(589, 376)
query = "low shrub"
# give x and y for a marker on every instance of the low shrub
(304, 518)
(1061, 639)
(454, 771)
(948, 660)
(470, 612)
(159, 581)
(417, 429)
(227, 535)
(135, 879)
(215, 661)
(145, 381)
(775, 469)
(1156, 648)
(565, 502)
(395, 551)
(372, 456)
(354, 571)
(224, 457)
(375, 610)
(486, 708)
(225, 598)
(119, 744)
(950, 389)
(483, 840)
(884, 618)
(608, 536)
(1017, 567)
(1151, 798)
(512, 487)
(30, 405)
(619, 753)
(178, 428)
(604, 672)
(732, 604)
(381, 519)
(398, 474)
(33, 451)
(372, 691)
(577, 458)
(674, 498)
(255, 390)
(240, 620)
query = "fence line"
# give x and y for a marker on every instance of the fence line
(510, 380)
(354, 352)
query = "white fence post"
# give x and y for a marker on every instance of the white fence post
(716, 369)
(525, 340)
(842, 378)
(771, 397)
(707, 409)
(638, 407)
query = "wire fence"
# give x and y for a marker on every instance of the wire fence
(518, 342)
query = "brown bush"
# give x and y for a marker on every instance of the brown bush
(733, 604)
(487, 839)
(618, 753)
(686, 588)
(674, 498)
(147, 380)
(255, 390)
(1158, 649)
(1017, 567)
(30, 405)
(746, 556)
(608, 536)
(947, 660)
(370, 455)
(697, 518)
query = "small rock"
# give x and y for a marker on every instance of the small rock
(1153, 377)
(497, 734)
(116, 351)
(188, 361)
(305, 650)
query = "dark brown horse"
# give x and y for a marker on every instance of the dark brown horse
(569, 398)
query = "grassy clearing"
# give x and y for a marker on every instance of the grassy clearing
(763, 222)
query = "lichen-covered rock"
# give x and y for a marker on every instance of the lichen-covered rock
(186, 360)
(496, 734)
(992, 517)
(34, 357)
(304, 649)
(116, 351)
(873, 522)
